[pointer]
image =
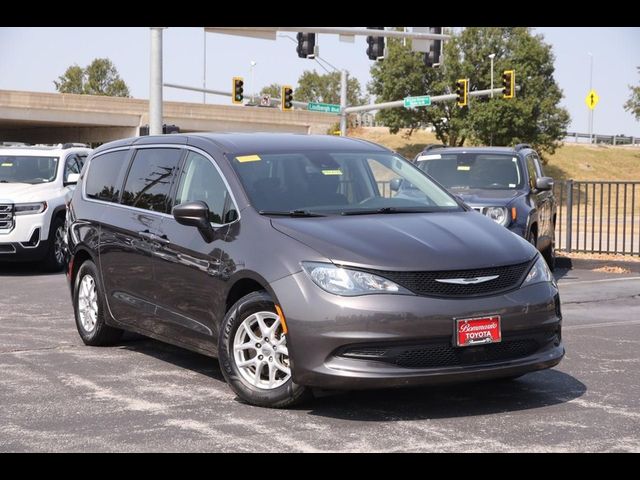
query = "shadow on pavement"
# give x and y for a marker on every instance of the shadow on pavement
(24, 270)
(534, 390)
(177, 356)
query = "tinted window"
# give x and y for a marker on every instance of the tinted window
(201, 181)
(532, 171)
(149, 181)
(105, 176)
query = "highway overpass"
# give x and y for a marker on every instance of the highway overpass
(36, 117)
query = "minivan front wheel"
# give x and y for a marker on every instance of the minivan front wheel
(253, 354)
(88, 305)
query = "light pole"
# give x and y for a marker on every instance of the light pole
(253, 64)
(590, 88)
(492, 56)
(204, 68)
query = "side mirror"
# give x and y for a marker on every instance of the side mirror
(544, 183)
(72, 179)
(394, 184)
(195, 214)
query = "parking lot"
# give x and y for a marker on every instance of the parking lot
(142, 395)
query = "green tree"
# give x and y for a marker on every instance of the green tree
(274, 90)
(534, 116)
(325, 88)
(633, 104)
(100, 77)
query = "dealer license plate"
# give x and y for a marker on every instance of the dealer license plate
(478, 331)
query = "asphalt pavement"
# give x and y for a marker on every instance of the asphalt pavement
(142, 395)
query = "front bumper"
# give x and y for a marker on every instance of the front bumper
(27, 239)
(322, 327)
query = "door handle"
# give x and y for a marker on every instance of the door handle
(152, 237)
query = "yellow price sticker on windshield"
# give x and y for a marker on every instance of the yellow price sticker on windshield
(332, 172)
(248, 158)
(7, 164)
(464, 167)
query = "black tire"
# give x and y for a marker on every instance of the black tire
(54, 261)
(284, 396)
(101, 334)
(550, 256)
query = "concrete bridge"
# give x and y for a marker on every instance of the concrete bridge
(35, 117)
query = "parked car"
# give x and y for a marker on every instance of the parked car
(506, 184)
(279, 255)
(34, 183)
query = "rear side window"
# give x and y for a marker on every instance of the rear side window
(105, 176)
(149, 181)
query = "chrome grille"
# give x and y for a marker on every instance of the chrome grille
(6, 217)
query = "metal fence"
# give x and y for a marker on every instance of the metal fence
(599, 138)
(598, 217)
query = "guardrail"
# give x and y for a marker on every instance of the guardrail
(598, 138)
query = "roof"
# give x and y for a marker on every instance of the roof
(258, 142)
(32, 150)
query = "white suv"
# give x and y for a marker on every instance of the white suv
(35, 182)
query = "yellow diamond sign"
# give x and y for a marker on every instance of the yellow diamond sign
(592, 99)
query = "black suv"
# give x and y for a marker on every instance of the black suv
(507, 185)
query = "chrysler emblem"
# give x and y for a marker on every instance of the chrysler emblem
(467, 281)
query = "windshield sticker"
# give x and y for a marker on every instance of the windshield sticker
(512, 185)
(7, 164)
(464, 168)
(435, 156)
(332, 172)
(248, 158)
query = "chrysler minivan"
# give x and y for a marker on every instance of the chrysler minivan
(287, 258)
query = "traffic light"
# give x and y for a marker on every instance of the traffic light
(509, 84)
(432, 57)
(375, 48)
(462, 91)
(237, 90)
(287, 98)
(306, 45)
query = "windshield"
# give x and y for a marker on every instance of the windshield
(473, 170)
(17, 169)
(326, 182)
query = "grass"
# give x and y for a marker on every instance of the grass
(578, 162)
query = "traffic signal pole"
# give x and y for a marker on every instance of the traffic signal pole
(274, 101)
(155, 82)
(436, 99)
(344, 76)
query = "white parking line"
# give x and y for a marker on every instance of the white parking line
(599, 281)
(602, 324)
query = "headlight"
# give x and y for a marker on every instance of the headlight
(539, 273)
(30, 208)
(343, 281)
(498, 214)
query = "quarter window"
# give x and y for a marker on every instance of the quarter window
(149, 181)
(201, 181)
(105, 176)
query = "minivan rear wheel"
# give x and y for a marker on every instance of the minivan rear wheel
(253, 354)
(88, 305)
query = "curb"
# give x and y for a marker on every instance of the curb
(587, 264)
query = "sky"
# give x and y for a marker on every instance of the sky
(31, 58)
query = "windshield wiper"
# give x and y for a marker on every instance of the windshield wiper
(292, 213)
(389, 210)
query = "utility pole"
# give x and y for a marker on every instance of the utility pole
(204, 69)
(343, 102)
(155, 82)
(591, 88)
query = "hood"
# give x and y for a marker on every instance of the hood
(488, 197)
(26, 192)
(430, 241)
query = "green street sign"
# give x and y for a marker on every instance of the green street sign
(323, 107)
(422, 101)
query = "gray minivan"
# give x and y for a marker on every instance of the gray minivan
(289, 259)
